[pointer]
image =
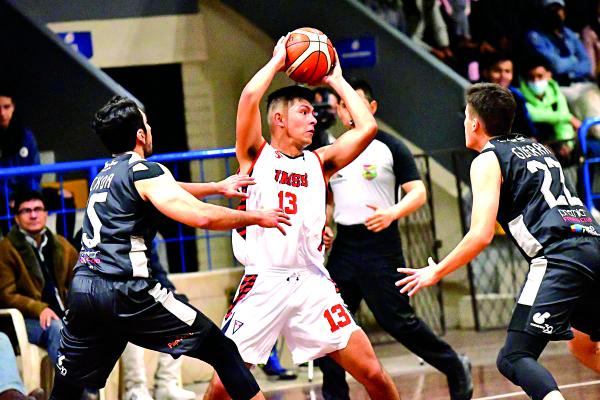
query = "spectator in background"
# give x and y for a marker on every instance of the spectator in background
(36, 267)
(431, 29)
(11, 385)
(567, 60)
(499, 68)
(18, 148)
(590, 36)
(548, 108)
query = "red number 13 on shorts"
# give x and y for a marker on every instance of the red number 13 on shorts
(342, 319)
(287, 202)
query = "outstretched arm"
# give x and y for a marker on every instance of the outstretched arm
(486, 179)
(173, 201)
(248, 132)
(349, 145)
(228, 187)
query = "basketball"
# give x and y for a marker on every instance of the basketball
(310, 55)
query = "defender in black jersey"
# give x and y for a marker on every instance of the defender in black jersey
(113, 299)
(521, 184)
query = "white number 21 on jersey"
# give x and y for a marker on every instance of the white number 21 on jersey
(563, 199)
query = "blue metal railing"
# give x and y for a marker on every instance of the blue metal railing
(588, 160)
(93, 166)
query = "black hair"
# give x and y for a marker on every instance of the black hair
(117, 123)
(22, 195)
(494, 105)
(533, 62)
(290, 93)
(489, 60)
(325, 91)
(363, 85)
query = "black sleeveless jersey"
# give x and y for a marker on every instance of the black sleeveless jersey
(538, 208)
(119, 225)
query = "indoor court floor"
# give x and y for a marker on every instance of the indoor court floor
(421, 382)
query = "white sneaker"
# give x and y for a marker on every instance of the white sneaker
(137, 393)
(173, 392)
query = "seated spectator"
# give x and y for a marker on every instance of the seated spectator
(567, 59)
(590, 35)
(36, 267)
(11, 385)
(499, 68)
(18, 148)
(548, 108)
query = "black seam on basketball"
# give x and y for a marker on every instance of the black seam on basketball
(316, 63)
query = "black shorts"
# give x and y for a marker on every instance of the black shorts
(104, 314)
(562, 291)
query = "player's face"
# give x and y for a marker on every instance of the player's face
(32, 216)
(301, 122)
(148, 144)
(502, 73)
(470, 125)
(7, 108)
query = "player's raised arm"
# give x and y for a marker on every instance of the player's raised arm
(228, 187)
(172, 200)
(349, 145)
(486, 179)
(248, 132)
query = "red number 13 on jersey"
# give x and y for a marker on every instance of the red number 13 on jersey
(342, 318)
(287, 202)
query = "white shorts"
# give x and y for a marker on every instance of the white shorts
(303, 306)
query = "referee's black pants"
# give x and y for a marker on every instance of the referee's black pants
(363, 265)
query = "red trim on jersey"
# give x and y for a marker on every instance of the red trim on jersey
(257, 155)
(337, 289)
(322, 167)
(245, 286)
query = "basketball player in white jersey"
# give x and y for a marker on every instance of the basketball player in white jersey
(286, 289)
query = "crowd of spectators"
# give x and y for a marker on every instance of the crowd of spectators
(545, 51)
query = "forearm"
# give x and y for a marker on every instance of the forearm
(411, 202)
(468, 248)
(260, 82)
(200, 190)
(221, 218)
(361, 116)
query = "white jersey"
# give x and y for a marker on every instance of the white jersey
(297, 186)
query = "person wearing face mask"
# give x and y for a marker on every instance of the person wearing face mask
(567, 60)
(548, 107)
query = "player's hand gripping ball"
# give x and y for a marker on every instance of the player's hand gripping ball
(310, 56)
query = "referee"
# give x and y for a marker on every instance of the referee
(367, 251)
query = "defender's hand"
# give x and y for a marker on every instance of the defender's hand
(229, 187)
(418, 279)
(274, 219)
(380, 220)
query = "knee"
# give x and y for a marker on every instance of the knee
(373, 374)
(504, 363)
(4, 341)
(54, 329)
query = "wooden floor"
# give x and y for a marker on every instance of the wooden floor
(421, 382)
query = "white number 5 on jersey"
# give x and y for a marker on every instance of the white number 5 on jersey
(94, 220)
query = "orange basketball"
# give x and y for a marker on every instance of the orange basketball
(310, 56)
